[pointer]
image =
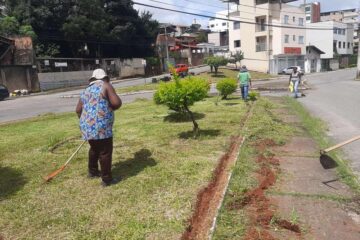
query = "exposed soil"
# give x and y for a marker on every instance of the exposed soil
(208, 198)
(258, 206)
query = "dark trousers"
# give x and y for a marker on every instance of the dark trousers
(101, 151)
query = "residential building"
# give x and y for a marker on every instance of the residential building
(312, 12)
(346, 16)
(276, 41)
(217, 24)
(337, 42)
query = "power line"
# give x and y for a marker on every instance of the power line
(199, 3)
(245, 22)
(225, 15)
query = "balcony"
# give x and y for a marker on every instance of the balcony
(261, 47)
(260, 27)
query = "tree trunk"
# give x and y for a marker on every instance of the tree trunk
(211, 68)
(216, 70)
(196, 126)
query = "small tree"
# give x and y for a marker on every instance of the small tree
(237, 56)
(180, 95)
(226, 87)
(215, 62)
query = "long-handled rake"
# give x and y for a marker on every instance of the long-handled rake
(53, 174)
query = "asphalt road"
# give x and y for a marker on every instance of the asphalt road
(20, 108)
(335, 98)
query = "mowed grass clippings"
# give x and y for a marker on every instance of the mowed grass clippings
(263, 124)
(162, 165)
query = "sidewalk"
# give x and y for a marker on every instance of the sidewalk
(309, 192)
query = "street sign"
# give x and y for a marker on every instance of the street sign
(61, 64)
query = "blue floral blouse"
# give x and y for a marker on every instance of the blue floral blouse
(97, 117)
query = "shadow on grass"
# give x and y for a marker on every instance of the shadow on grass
(182, 117)
(201, 133)
(219, 75)
(327, 162)
(133, 166)
(11, 181)
(230, 104)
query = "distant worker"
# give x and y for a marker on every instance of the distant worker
(245, 82)
(95, 109)
(294, 81)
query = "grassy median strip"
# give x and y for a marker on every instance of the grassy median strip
(262, 125)
(229, 73)
(138, 88)
(163, 168)
(317, 130)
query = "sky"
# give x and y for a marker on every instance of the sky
(209, 7)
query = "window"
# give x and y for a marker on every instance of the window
(286, 38)
(286, 19)
(212, 25)
(237, 43)
(335, 30)
(343, 32)
(307, 9)
(344, 44)
(308, 18)
(339, 44)
(348, 45)
(301, 22)
(224, 23)
(294, 19)
(339, 31)
(301, 39)
(236, 25)
(294, 38)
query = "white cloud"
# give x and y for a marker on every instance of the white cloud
(209, 8)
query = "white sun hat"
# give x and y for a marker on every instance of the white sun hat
(98, 74)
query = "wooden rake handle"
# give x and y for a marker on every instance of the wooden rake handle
(339, 145)
(55, 173)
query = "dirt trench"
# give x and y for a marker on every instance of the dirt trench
(209, 198)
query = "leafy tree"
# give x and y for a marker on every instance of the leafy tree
(202, 37)
(27, 30)
(180, 95)
(215, 62)
(9, 26)
(237, 57)
(110, 28)
(226, 87)
(47, 50)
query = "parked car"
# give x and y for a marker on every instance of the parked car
(182, 69)
(4, 92)
(289, 70)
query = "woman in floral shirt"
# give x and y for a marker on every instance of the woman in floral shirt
(96, 112)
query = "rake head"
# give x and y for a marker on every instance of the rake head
(49, 177)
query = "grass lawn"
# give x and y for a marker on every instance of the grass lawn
(143, 87)
(228, 73)
(162, 166)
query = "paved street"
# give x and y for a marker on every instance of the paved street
(334, 98)
(32, 106)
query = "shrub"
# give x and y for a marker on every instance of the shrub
(215, 62)
(253, 96)
(226, 87)
(180, 95)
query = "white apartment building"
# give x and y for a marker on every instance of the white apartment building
(336, 41)
(219, 25)
(276, 41)
(345, 16)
